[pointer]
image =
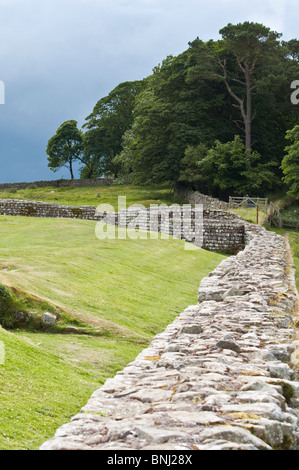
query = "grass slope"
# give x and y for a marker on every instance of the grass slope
(38, 392)
(127, 290)
(293, 236)
(107, 283)
(94, 196)
(294, 243)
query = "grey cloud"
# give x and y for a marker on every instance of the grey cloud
(59, 57)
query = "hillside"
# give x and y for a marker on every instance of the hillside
(120, 293)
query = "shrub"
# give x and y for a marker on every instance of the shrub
(11, 190)
(6, 307)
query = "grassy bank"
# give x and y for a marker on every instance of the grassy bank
(94, 196)
(293, 236)
(294, 243)
(124, 291)
(251, 215)
(38, 391)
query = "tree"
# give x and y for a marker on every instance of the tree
(65, 147)
(124, 159)
(292, 49)
(225, 168)
(191, 171)
(253, 47)
(112, 116)
(153, 131)
(170, 114)
(95, 159)
(290, 163)
(269, 113)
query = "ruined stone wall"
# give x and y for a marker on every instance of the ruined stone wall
(19, 207)
(195, 197)
(222, 376)
(223, 231)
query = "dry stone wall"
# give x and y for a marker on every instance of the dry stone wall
(221, 230)
(195, 197)
(18, 207)
(222, 376)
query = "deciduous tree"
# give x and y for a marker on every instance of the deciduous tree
(65, 147)
(112, 116)
(290, 163)
(252, 46)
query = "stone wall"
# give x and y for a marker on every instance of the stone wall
(19, 207)
(222, 231)
(62, 183)
(222, 376)
(195, 197)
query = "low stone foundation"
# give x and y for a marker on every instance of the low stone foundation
(195, 197)
(222, 231)
(222, 376)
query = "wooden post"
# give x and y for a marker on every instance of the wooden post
(257, 214)
(280, 224)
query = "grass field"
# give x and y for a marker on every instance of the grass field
(250, 215)
(120, 293)
(123, 291)
(94, 196)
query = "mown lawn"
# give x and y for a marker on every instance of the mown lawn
(38, 392)
(251, 215)
(126, 291)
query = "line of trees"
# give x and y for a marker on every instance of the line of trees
(213, 118)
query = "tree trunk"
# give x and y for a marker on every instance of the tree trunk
(246, 110)
(71, 169)
(248, 113)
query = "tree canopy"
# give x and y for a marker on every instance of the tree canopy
(290, 163)
(213, 118)
(106, 125)
(65, 147)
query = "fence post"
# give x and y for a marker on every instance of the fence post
(279, 217)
